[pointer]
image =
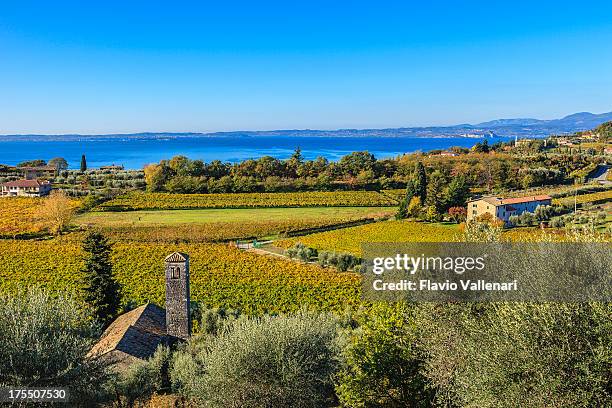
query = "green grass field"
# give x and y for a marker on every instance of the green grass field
(204, 216)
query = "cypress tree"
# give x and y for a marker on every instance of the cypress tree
(435, 192)
(101, 289)
(83, 163)
(420, 182)
(403, 205)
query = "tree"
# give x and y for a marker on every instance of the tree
(45, 340)
(83, 163)
(432, 214)
(356, 162)
(32, 163)
(402, 211)
(137, 383)
(155, 177)
(457, 214)
(281, 361)
(295, 162)
(415, 208)
(481, 147)
(179, 165)
(56, 212)
(457, 192)
(405, 202)
(101, 289)
(436, 192)
(543, 212)
(420, 182)
(384, 363)
(497, 347)
(59, 163)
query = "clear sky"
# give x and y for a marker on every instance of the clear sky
(130, 66)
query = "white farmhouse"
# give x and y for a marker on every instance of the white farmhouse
(503, 208)
(25, 188)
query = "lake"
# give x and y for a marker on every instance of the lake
(134, 153)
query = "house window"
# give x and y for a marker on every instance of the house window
(175, 272)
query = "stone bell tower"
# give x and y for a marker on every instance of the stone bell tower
(178, 320)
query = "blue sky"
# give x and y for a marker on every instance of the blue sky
(134, 66)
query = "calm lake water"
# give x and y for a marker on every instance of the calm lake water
(135, 153)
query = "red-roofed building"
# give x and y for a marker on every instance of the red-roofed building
(503, 208)
(32, 173)
(25, 188)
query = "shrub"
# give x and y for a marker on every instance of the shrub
(519, 354)
(524, 220)
(285, 361)
(302, 252)
(384, 362)
(557, 222)
(475, 231)
(343, 261)
(44, 343)
(143, 378)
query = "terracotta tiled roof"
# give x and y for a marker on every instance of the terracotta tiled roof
(528, 199)
(137, 333)
(492, 200)
(25, 183)
(496, 201)
(38, 168)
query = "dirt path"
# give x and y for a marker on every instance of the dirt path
(261, 251)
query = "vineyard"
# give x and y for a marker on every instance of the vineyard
(164, 201)
(221, 276)
(350, 239)
(600, 197)
(18, 215)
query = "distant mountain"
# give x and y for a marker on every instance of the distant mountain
(572, 123)
(510, 122)
(521, 127)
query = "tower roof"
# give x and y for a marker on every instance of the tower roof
(177, 257)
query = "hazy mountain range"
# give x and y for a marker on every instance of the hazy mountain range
(521, 127)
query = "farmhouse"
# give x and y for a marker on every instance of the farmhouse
(135, 335)
(25, 188)
(113, 167)
(503, 208)
(522, 142)
(32, 173)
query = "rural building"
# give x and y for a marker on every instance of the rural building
(113, 167)
(503, 208)
(32, 173)
(135, 335)
(25, 188)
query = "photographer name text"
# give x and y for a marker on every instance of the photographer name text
(430, 285)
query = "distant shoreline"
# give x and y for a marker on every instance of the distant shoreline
(496, 128)
(135, 152)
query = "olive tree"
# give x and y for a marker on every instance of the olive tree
(44, 343)
(283, 361)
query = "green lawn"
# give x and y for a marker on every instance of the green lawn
(204, 216)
